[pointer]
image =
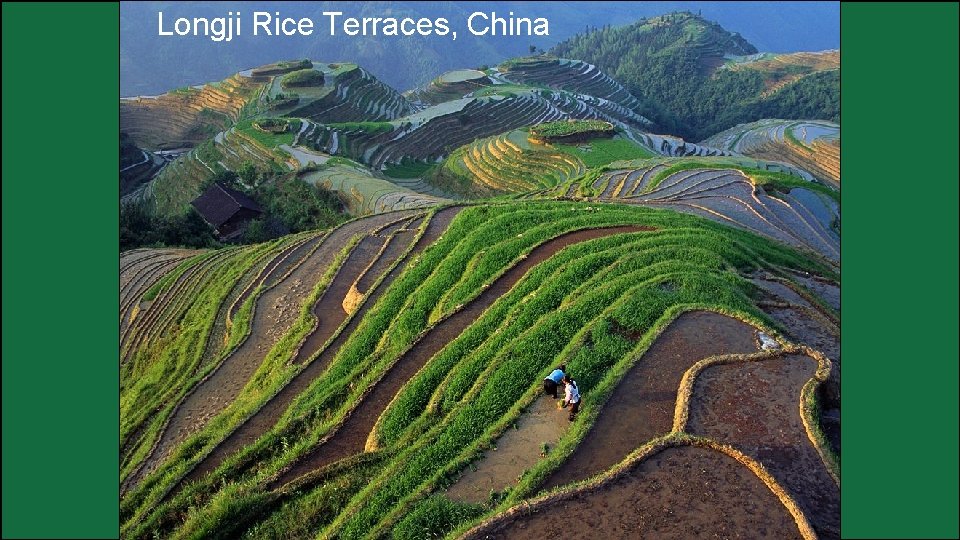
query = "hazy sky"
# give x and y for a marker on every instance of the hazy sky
(150, 63)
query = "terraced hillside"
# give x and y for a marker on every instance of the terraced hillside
(186, 116)
(365, 193)
(434, 132)
(811, 145)
(338, 383)
(448, 87)
(780, 70)
(182, 180)
(513, 162)
(767, 198)
(347, 93)
(574, 76)
(295, 95)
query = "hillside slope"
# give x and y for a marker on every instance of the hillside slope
(671, 63)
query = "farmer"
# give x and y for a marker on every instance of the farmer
(552, 380)
(572, 397)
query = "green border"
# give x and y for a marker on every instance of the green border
(899, 108)
(59, 259)
(60, 271)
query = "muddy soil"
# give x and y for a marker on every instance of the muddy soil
(641, 408)
(351, 437)
(684, 492)
(517, 450)
(754, 407)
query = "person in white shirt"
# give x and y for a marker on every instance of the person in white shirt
(572, 397)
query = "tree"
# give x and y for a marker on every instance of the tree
(247, 173)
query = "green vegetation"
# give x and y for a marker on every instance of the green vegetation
(300, 64)
(505, 163)
(566, 308)
(505, 90)
(512, 163)
(434, 517)
(167, 364)
(370, 128)
(139, 227)
(269, 139)
(272, 125)
(562, 129)
(163, 283)
(408, 169)
(599, 152)
(297, 205)
(302, 77)
(667, 62)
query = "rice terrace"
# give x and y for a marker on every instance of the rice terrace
(339, 301)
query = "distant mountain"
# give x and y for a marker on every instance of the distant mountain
(151, 64)
(695, 78)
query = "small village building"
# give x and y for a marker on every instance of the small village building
(227, 210)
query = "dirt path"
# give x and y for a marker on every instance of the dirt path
(680, 492)
(642, 406)
(754, 407)
(351, 436)
(267, 416)
(516, 451)
(276, 310)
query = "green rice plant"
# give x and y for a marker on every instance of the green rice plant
(434, 516)
(566, 128)
(302, 77)
(605, 151)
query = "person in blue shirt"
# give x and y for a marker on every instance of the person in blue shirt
(551, 383)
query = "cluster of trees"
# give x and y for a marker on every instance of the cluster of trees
(140, 227)
(291, 205)
(303, 77)
(668, 67)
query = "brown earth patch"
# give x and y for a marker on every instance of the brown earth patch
(642, 406)
(680, 492)
(754, 406)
